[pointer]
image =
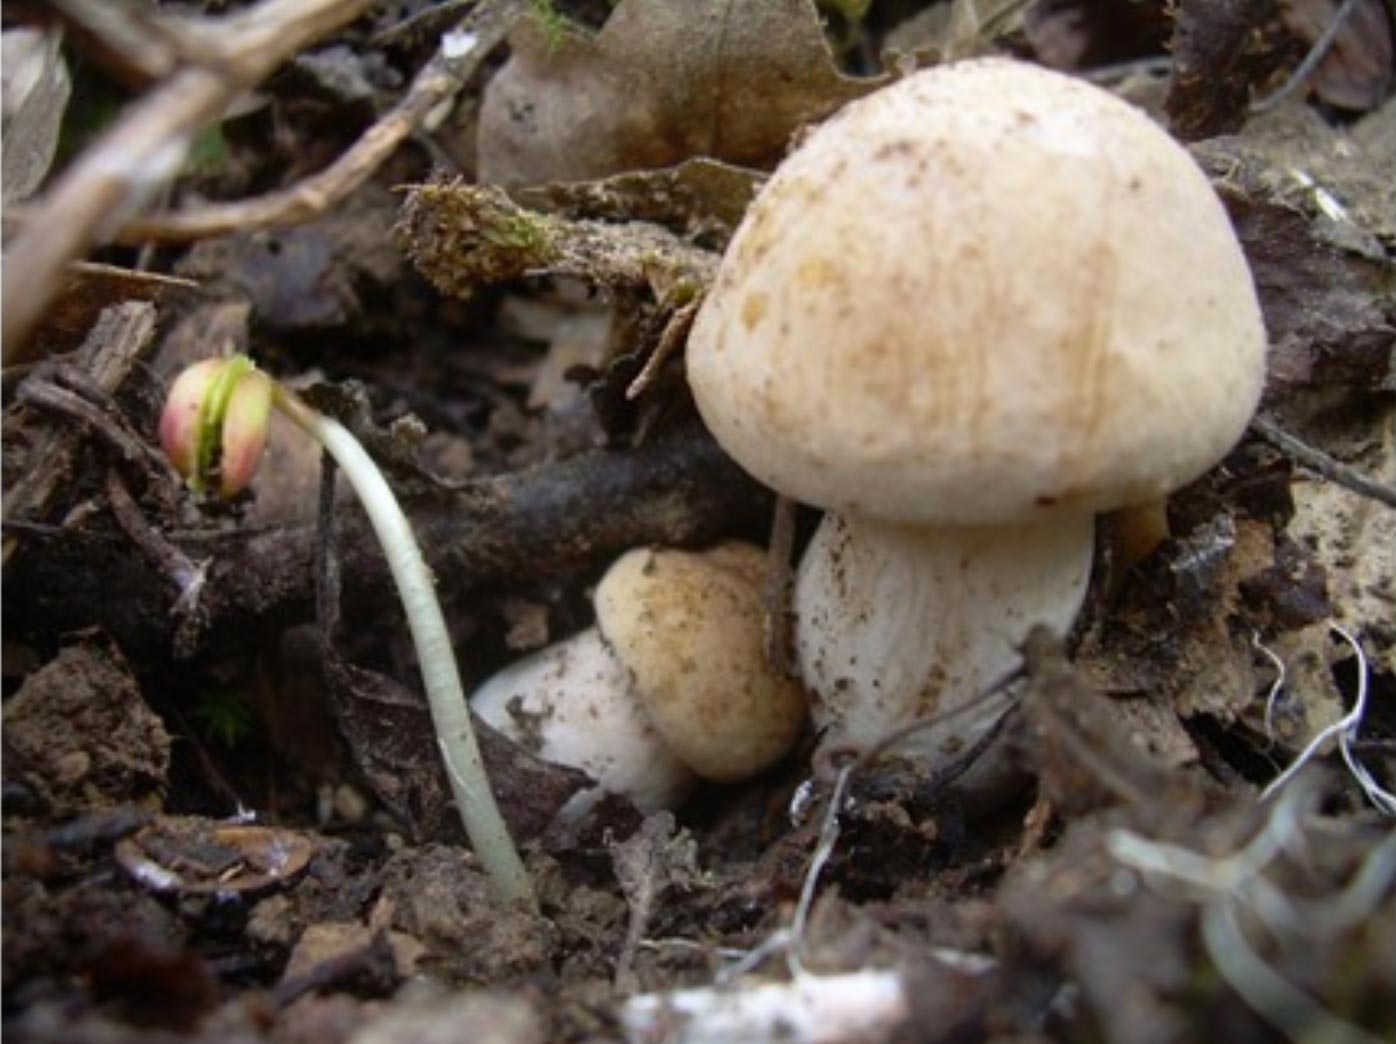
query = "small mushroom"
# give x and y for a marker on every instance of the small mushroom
(972, 310)
(671, 685)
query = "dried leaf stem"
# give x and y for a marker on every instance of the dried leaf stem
(1322, 464)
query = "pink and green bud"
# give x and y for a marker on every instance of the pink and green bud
(215, 423)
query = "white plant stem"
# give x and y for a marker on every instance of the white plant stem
(489, 835)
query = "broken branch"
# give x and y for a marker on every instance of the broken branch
(125, 169)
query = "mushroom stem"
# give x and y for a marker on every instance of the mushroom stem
(572, 703)
(1136, 531)
(899, 624)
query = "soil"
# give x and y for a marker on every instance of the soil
(225, 818)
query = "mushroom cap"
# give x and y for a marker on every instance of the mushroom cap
(571, 703)
(986, 292)
(689, 628)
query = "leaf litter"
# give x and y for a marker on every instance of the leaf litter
(1137, 889)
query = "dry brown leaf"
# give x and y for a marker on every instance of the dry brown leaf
(1313, 207)
(35, 89)
(660, 83)
(954, 31)
(1355, 540)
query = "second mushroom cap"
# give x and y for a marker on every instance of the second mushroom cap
(689, 628)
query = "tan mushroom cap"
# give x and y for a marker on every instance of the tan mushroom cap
(689, 627)
(982, 293)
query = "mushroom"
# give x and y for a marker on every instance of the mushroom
(968, 313)
(671, 685)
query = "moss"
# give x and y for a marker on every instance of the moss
(463, 236)
(551, 22)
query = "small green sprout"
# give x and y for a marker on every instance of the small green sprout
(214, 429)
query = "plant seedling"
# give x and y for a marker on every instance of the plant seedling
(214, 429)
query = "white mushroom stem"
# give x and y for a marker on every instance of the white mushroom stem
(572, 704)
(899, 624)
(671, 685)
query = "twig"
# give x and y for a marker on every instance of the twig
(462, 51)
(48, 396)
(1322, 464)
(187, 577)
(121, 335)
(146, 42)
(119, 174)
(559, 519)
(675, 334)
(462, 237)
(1311, 61)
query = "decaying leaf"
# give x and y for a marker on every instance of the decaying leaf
(310, 276)
(1086, 34)
(1355, 539)
(1314, 206)
(1176, 635)
(389, 730)
(654, 862)
(961, 29)
(35, 95)
(660, 83)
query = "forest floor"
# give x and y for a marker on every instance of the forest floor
(225, 819)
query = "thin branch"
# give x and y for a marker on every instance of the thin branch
(121, 336)
(462, 237)
(185, 575)
(461, 52)
(47, 396)
(1311, 61)
(674, 336)
(138, 37)
(1322, 464)
(127, 167)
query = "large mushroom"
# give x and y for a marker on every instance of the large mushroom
(968, 313)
